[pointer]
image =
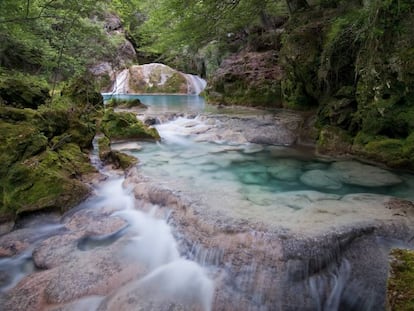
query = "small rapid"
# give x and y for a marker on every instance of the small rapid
(103, 252)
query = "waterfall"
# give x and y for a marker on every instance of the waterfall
(195, 84)
(156, 75)
(121, 82)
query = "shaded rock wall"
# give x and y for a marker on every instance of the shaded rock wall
(350, 63)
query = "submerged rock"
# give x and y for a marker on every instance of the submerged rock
(285, 169)
(355, 173)
(321, 179)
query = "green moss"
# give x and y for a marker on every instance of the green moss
(12, 115)
(300, 57)
(242, 93)
(104, 147)
(122, 160)
(46, 181)
(124, 125)
(388, 151)
(393, 152)
(125, 103)
(116, 158)
(400, 292)
(408, 148)
(175, 82)
(22, 90)
(333, 140)
(84, 91)
(19, 141)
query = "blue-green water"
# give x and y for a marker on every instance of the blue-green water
(274, 184)
(165, 103)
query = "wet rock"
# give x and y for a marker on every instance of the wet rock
(92, 273)
(165, 289)
(321, 179)
(151, 121)
(84, 304)
(355, 173)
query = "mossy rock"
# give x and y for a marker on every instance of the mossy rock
(104, 148)
(125, 103)
(19, 142)
(80, 126)
(125, 125)
(333, 140)
(396, 153)
(42, 160)
(264, 95)
(116, 158)
(46, 181)
(13, 115)
(23, 91)
(84, 91)
(159, 79)
(400, 289)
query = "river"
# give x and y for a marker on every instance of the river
(221, 214)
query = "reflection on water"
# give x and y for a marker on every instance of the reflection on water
(166, 103)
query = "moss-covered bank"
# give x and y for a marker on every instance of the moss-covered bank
(43, 151)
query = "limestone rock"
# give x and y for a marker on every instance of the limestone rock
(321, 179)
(355, 173)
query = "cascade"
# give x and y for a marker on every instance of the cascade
(144, 242)
(121, 82)
(195, 84)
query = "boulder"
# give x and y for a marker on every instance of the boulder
(125, 125)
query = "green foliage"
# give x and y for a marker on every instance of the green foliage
(56, 38)
(184, 27)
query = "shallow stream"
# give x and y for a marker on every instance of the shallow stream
(280, 185)
(268, 226)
